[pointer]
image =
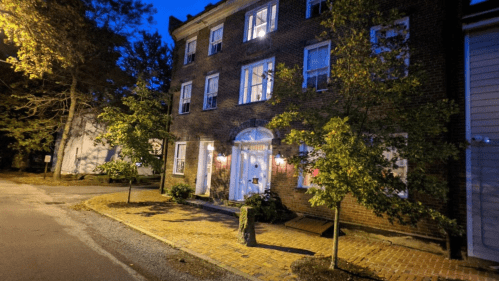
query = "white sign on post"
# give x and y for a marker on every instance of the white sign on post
(48, 158)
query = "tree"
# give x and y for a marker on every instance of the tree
(131, 129)
(73, 43)
(374, 118)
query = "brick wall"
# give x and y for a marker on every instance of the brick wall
(429, 24)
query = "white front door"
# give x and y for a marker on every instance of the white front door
(253, 173)
(205, 163)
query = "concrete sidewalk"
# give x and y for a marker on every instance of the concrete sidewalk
(212, 236)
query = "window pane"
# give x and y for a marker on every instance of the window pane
(311, 81)
(269, 80)
(272, 18)
(256, 93)
(250, 28)
(245, 94)
(260, 23)
(322, 81)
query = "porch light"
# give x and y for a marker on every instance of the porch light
(221, 157)
(279, 159)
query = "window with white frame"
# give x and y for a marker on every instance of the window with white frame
(179, 159)
(185, 97)
(400, 168)
(257, 81)
(211, 92)
(316, 66)
(216, 34)
(387, 38)
(305, 178)
(261, 21)
(316, 7)
(190, 50)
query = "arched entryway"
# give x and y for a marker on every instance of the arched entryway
(251, 162)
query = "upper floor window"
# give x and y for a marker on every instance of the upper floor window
(256, 81)
(316, 7)
(185, 98)
(385, 39)
(216, 39)
(316, 66)
(190, 50)
(260, 21)
(211, 92)
(179, 159)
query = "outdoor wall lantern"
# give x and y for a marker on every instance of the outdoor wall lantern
(279, 159)
(255, 181)
(221, 157)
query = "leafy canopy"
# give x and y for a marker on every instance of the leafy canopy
(133, 127)
(376, 104)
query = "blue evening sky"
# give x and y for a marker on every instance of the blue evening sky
(176, 8)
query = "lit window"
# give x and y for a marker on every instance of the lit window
(305, 179)
(316, 7)
(316, 66)
(261, 21)
(185, 97)
(216, 39)
(179, 159)
(400, 170)
(386, 39)
(190, 50)
(211, 92)
(256, 81)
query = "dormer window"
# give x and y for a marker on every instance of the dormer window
(261, 21)
(190, 50)
(216, 39)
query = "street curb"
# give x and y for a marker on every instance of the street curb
(171, 243)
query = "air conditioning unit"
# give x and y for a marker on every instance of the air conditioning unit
(216, 48)
(190, 58)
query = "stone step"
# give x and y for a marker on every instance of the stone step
(227, 210)
(311, 225)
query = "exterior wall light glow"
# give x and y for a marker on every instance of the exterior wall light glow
(279, 159)
(221, 157)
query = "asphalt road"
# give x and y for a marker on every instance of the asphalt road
(42, 239)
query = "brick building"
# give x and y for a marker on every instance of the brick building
(220, 113)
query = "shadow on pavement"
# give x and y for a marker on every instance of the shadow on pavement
(286, 249)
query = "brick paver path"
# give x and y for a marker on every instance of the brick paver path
(214, 235)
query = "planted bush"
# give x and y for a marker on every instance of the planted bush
(180, 192)
(268, 207)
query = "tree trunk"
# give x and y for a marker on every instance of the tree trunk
(67, 128)
(334, 256)
(165, 145)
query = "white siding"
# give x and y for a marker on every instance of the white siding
(483, 184)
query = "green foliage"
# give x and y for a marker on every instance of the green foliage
(180, 192)
(132, 127)
(268, 207)
(119, 169)
(373, 100)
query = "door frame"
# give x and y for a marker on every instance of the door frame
(205, 147)
(255, 136)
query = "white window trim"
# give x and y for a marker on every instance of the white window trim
(211, 37)
(401, 163)
(305, 65)
(374, 38)
(269, 16)
(206, 91)
(181, 103)
(186, 49)
(175, 158)
(266, 95)
(309, 7)
(302, 149)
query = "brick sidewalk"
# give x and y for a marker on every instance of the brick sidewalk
(214, 235)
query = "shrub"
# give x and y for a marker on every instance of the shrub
(268, 207)
(180, 192)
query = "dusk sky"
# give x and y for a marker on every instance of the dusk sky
(176, 8)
